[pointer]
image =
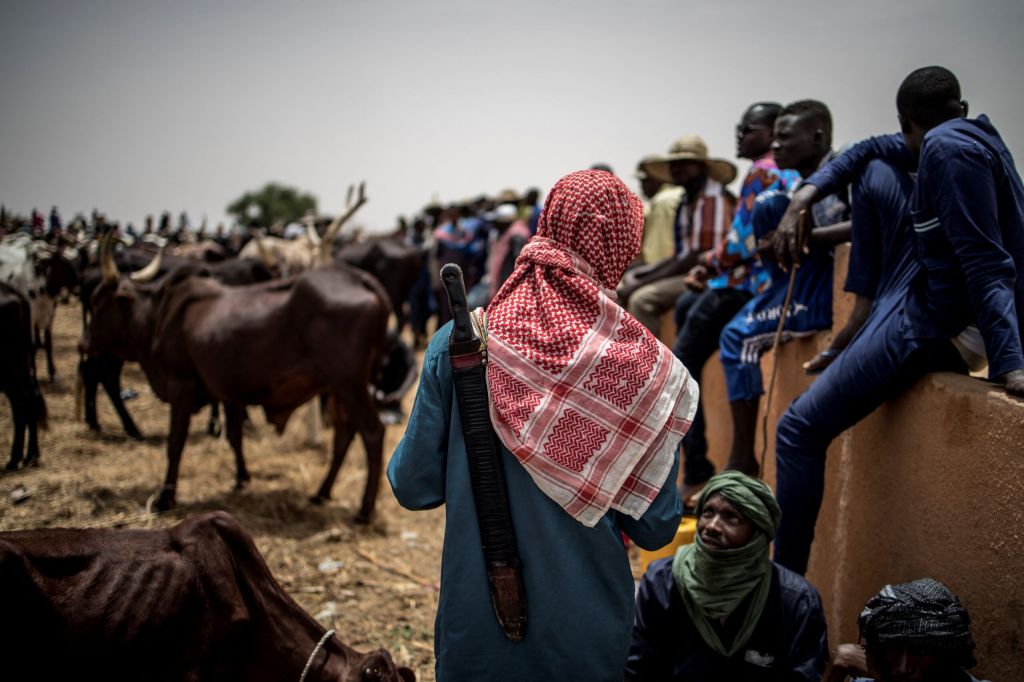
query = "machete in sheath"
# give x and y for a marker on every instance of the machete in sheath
(468, 355)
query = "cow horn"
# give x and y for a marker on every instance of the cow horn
(108, 268)
(151, 270)
(264, 254)
(311, 234)
(335, 226)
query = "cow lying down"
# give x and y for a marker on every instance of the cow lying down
(192, 602)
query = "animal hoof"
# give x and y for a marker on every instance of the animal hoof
(317, 500)
(213, 429)
(241, 484)
(135, 435)
(362, 519)
(11, 466)
(165, 502)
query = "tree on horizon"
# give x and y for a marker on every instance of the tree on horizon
(273, 203)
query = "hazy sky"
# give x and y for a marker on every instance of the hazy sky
(135, 107)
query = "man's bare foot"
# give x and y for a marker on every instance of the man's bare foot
(690, 494)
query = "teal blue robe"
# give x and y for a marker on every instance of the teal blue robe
(579, 586)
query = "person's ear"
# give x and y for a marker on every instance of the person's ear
(963, 105)
(819, 139)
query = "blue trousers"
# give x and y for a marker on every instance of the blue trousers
(879, 364)
(752, 330)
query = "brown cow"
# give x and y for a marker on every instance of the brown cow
(276, 344)
(146, 264)
(192, 602)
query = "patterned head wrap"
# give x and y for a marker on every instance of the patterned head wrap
(923, 615)
(582, 394)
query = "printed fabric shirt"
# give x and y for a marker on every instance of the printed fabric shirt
(968, 214)
(703, 228)
(735, 259)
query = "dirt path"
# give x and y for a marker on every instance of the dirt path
(376, 585)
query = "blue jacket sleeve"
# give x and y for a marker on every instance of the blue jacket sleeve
(417, 467)
(844, 169)
(865, 265)
(809, 653)
(649, 649)
(659, 523)
(958, 180)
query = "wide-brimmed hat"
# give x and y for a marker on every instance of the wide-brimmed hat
(642, 172)
(691, 148)
(507, 196)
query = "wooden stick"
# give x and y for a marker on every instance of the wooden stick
(801, 232)
(401, 572)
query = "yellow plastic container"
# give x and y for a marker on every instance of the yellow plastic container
(684, 535)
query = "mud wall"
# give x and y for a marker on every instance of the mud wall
(931, 484)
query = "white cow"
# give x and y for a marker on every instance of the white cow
(23, 265)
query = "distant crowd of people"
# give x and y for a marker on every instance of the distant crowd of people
(166, 229)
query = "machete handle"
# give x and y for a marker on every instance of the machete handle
(455, 287)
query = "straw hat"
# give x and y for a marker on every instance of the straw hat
(642, 170)
(507, 196)
(691, 148)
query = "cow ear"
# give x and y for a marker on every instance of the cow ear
(407, 675)
(125, 290)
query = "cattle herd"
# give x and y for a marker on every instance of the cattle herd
(283, 324)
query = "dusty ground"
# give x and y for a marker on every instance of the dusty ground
(376, 585)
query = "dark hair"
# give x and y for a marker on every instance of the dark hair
(769, 111)
(929, 96)
(814, 111)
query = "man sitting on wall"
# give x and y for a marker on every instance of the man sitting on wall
(803, 142)
(701, 221)
(721, 610)
(967, 208)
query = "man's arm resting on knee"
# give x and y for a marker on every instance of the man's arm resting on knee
(646, 274)
(842, 170)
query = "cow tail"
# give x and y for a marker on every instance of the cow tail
(383, 348)
(42, 417)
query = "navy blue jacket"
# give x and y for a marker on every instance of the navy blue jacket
(968, 212)
(788, 643)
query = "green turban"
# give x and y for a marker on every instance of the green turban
(714, 583)
(751, 496)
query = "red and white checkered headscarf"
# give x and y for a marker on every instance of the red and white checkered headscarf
(581, 393)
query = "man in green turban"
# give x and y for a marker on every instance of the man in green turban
(720, 609)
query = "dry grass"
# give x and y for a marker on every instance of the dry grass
(382, 594)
